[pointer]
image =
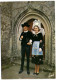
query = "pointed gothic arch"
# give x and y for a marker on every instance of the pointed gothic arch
(31, 13)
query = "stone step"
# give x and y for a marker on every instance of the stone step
(43, 67)
(32, 66)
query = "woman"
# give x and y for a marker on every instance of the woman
(37, 40)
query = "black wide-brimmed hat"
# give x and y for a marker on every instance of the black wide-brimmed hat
(25, 24)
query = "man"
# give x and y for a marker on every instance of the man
(25, 46)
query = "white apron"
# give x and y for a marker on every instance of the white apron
(35, 48)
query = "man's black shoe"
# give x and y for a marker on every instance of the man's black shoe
(20, 71)
(28, 72)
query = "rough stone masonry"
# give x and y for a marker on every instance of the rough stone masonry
(10, 13)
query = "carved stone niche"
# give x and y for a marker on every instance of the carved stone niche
(31, 13)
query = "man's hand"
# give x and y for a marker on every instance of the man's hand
(21, 37)
(40, 49)
(28, 43)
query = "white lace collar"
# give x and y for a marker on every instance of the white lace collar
(37, 33)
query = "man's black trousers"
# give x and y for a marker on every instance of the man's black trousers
(25, 49)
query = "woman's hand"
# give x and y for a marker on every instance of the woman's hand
(40, 41)
(40, 49)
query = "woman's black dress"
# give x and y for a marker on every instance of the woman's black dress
(38, 59)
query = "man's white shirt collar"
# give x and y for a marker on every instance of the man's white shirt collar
(25, 31)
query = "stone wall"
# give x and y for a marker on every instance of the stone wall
(10, 13)
(5, 28)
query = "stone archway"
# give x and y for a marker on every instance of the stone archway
(35, 14)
